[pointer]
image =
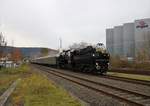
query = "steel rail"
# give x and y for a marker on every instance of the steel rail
(126, 92)
(134, 81)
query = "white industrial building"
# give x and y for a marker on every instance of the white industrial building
(117, 40)
(109, 41)
(142, 35)
(129, 39)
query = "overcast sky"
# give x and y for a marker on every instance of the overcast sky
(41, 22)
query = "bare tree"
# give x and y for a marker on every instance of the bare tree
(144, 53)
(3, 44)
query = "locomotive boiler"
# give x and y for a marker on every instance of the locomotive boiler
(89, 59)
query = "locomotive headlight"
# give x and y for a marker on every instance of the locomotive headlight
(98, 67)
(96, 64)
(93, 55)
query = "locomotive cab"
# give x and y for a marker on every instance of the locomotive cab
(91, 59)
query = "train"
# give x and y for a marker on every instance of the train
(93, 59)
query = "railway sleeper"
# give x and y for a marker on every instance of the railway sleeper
(144, 101)
(136, 98)
(112, 92)
(121, 94)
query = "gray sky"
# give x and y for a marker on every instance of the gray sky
(41, 22)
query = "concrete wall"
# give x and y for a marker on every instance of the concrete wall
(109, 40)
(128, 40)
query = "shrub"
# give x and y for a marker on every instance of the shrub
(117, 62)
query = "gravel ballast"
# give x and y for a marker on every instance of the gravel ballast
(89, 96)
(138, 88)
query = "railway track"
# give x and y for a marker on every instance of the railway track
(117, 78)
(135, 81)
(130, 97)
(130, 71)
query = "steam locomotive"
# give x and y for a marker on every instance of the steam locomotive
(88, 59)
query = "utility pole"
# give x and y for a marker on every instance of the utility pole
(60, 45)
(12, 50)
(1, 39)
(2, 44)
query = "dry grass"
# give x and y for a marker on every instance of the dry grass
(6, 81)
(37, 90)
(18, 70)
(8, 75)
(141, 65)
(34, 89)
(131, 76)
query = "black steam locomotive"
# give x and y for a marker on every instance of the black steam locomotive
(89, 59)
